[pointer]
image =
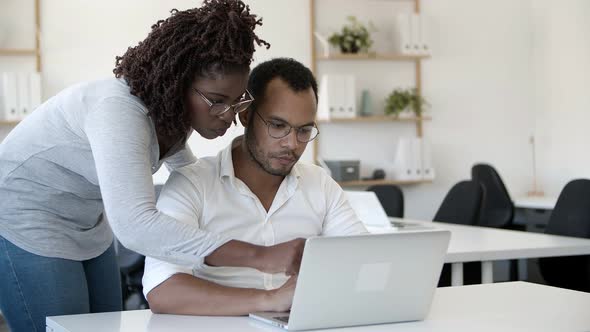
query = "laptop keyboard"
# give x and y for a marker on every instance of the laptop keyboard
(282, 318)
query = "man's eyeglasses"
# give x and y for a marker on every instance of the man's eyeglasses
(217, 109)
(279, 129)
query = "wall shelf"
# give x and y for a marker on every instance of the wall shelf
(17, 52)
(373, 56)
(36, 51)
(377, 118)
(366, 183)
(9, 123)
(406, 60)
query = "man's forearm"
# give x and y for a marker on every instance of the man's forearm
(237, 254)
(279, 258)
(184, 294)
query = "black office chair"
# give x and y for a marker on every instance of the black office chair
(131, 266)
(461, 205)
(497, 209)
(570, 217)
(391, 198)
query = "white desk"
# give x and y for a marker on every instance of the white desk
(484, 244)
(513, 306)
(535, 202)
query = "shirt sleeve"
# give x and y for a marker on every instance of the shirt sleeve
(157, 271)
(120, 137)
(340, 217)
(181, 199)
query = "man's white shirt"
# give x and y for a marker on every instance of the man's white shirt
(308, 203)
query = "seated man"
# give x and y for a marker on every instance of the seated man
(255, 191)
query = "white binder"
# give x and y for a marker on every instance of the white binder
(34, 90)
(403, 164)
(23, 99)
(337, 97)
(402, 35)
(427, 166)
(417, 158)
(8, 97)
(415, 34)
(425, 41)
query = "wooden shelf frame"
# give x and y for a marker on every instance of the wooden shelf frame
(377, 118)
(369, 56)
(17, 52)
(9, 123)
(372, 56)
(36, 52)
(367, 183)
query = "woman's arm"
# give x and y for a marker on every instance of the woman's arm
(119, 134)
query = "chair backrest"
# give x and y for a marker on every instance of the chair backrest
(497, 209)
(571, 215)
(391, 198)
(462, 203)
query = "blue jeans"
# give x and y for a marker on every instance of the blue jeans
(33, 287)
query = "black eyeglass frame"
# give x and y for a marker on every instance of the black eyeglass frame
(298, 129)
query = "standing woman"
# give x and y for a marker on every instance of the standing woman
(82, 164)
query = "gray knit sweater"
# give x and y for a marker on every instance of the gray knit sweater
(86, 154)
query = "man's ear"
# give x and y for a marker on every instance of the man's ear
(244, 116)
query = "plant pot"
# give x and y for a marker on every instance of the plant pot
(353, 49)
(406, 114)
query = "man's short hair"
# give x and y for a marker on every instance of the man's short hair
(296, 75)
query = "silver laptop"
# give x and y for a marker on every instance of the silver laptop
(364, 279)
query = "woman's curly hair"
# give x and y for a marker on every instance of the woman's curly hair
(216, 38)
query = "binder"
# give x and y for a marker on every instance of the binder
(424, 35)
(417, 158)
(403, 165)
(427, 166)
(337, 97)
(34, 90)
(415, 34)
(8, 97)
(23, 99)
(402, 35)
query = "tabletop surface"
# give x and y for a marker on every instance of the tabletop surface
(511, 306)
(473, 243)
(535, 202)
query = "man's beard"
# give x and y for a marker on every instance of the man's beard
(264, 163)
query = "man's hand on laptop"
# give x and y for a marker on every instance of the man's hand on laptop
(281, 299)
(283, 257)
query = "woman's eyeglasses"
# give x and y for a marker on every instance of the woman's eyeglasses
(217, 109)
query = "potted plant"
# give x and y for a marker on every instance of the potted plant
(405, 100)
(353, 38)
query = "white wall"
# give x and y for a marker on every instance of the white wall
(561, 54)
(478, 83)
(496, 67)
